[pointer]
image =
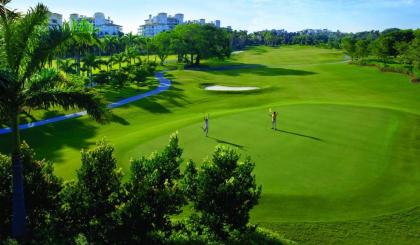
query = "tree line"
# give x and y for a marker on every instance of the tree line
(189, 42)
(323, 38)
(392, 45)
(127, 58)
(100, 208)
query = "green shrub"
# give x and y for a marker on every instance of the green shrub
(154, 193)
(101, 78)
(42, 189)
(224, 191)
(119, 77)
(88, 205)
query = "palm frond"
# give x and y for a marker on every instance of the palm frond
(49, 88)
(47, 79)
(69, 98)
(8, 86)
(7, 13)
(46, 47)
(23, 32)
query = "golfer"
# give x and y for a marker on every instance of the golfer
(274, 120)
(206, 125)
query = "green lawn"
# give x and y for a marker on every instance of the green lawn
(342, 168)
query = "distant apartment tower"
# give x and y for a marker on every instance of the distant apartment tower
(55, 20)
(104, 26)
(159, 23)
(216, 23)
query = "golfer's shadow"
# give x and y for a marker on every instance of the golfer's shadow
(219, 141)
(301, 135)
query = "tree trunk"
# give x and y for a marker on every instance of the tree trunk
(197, 60)
(18, 199)
(78, 63)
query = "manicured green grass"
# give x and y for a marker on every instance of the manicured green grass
(347, 149)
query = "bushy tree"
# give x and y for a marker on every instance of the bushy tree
(361, 48)
(223, 191)
(414, 50)
(162, 42)
(154, 194)
(41, 193)
(193, 42)
(349, 45)
(383, 48)
(88, 205)
(119, 77)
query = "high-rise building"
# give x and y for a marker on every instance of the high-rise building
(55, 20)
(104, 26)
(162, 22)
(159, 23)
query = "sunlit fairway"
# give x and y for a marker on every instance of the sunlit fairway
(347, 145)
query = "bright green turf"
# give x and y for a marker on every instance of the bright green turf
(348, 148)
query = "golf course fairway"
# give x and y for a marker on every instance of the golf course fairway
(347, 146)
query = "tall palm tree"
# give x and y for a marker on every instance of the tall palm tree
(90, 62)
(25, 82)
(83, 41)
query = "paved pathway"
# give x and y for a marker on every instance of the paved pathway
(164, 85)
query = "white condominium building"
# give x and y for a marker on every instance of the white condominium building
(55, 20)
(159, 23)
(163, 22)
(104, 26)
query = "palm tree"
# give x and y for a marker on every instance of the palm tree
(83, 41)
(89, 63)
(108, 63)
(67, 66)
(131, 55)
(119, 58)
(25, 82)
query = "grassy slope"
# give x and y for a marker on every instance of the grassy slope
(348, 148)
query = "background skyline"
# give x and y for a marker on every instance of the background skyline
(251, 15)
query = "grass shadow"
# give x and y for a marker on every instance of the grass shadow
(301, 135)
(219, 141)
(117, 119)
(48, 141)
(256, 69)
(161, 103)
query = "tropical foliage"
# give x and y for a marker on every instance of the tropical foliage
(27, 45)
(98, 207)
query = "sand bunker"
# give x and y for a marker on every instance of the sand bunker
(237, 52)
(226, 88)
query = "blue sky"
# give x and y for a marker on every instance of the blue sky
(252, 15)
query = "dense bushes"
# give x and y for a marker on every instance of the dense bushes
(98, 207)
(42, 190)
(393, 46)
(223, 191)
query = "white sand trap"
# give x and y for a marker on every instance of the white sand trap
(226, 88)
(237, 52)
